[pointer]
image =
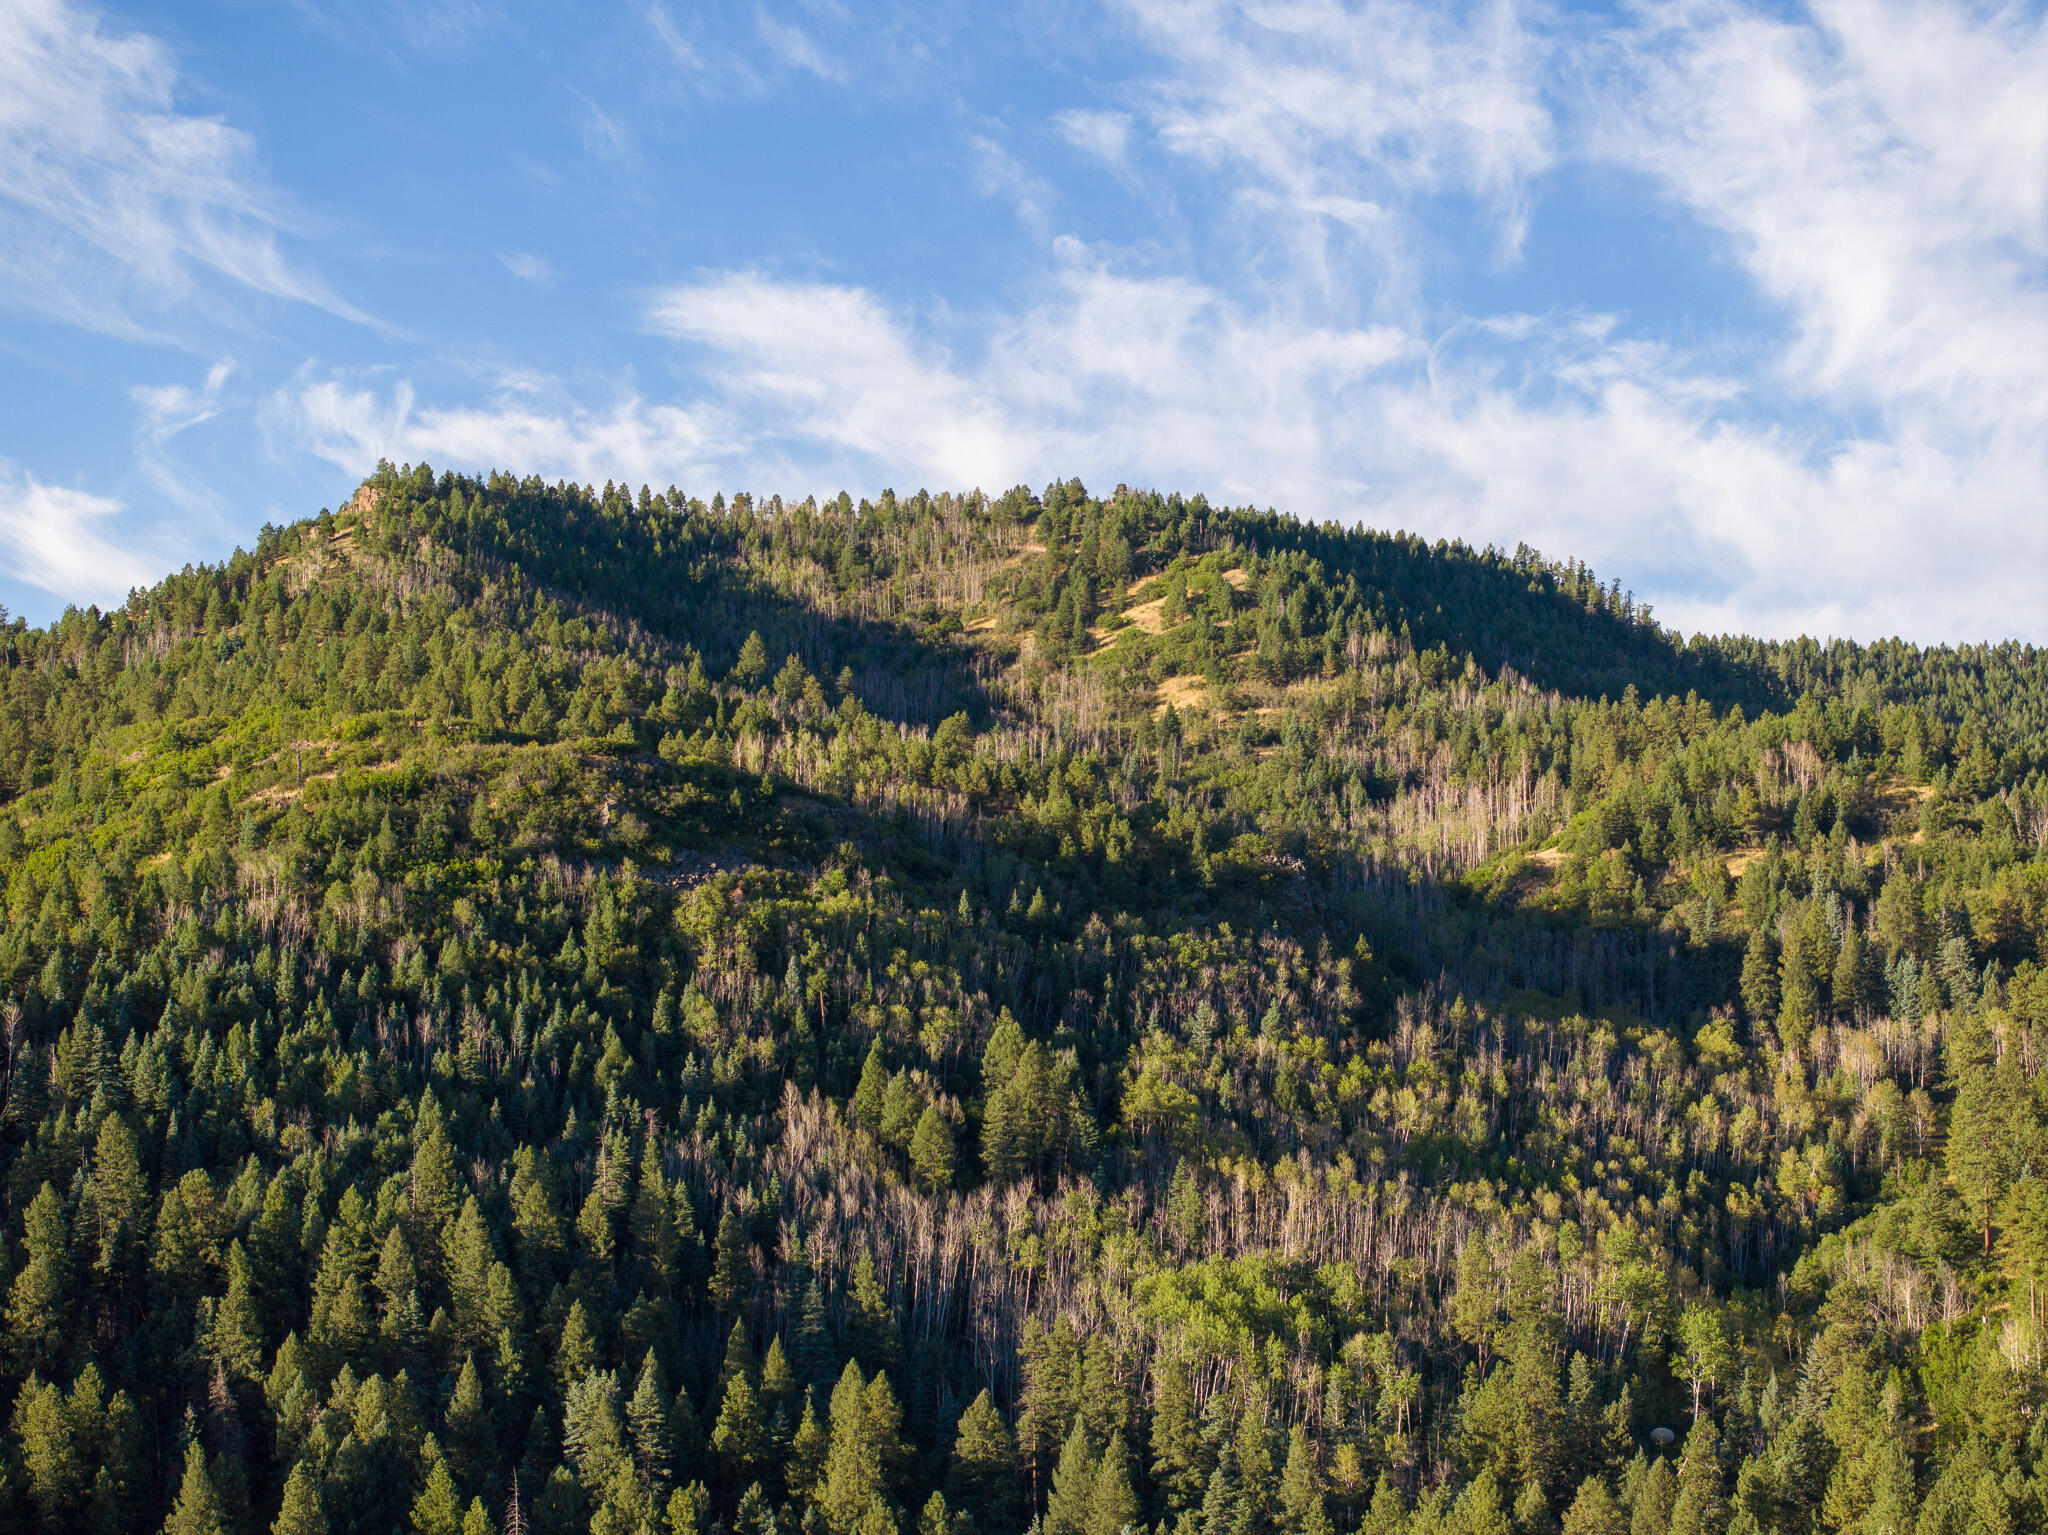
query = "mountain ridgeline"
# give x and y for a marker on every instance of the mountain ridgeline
(526, 1008)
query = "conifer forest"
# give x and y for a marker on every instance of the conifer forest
(527, 1008)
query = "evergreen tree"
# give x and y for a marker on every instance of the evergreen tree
(986, 1476)
(1760, 976)
(1067, 1510)
(1302, 1508)
(1650, 1509)
(576, 1354)
(50, 1450)
(438, 1508)
(649, 1427)
(1594, 1511)
(804, 1471)
(468, 1435)
(867, 1094)
(1478, 1509)
(39, 1301)
(1113, 1501)
(731, 1271)
(931, 1152)
(234, 1339)
(740, 1439)
(1177, 1461)
(198, 1510)
(853, 1464)
(1699, 1506)
(1224, 1508)
(301, 1513)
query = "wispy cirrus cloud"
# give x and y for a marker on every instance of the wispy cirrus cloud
(1331, 113)
(1880, 168)
(55, 537)
(116, 207)
(528, 428)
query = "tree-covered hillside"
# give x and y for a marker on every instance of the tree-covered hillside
(525, 1008)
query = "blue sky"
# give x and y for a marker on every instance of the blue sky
(1744, 304)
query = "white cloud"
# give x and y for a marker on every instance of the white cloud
(167, 410)
(1882, 172)
(1106, 135)
(51, 537)
(528, 268)
(525, 430)
(843, 374)
(1328, 108)
(114, 205)
(792, 47)
(999, 174)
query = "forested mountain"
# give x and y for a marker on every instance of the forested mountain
(529, 1008)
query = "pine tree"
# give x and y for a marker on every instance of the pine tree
(39, 1301)
(559, 1510)
(50, 1449)
(1047, 1405)
(468, 1434)
(739, 1357)
(1255, 1469)
(1177, 1460)
(1113, 1502)
(1798, 996)
(301, 1513)
(434, 1184)
(752, 664)
(804, 1470)
(871, 1330)
(1223, 1504)
(438, 1508)
(1700, 1507)
(593, 1438)
(1650, 1514)
(867, 1094)
(117, 1196)
(576, 1354)
(778, 1390)
(1984, 1125)
(235, 1337)
(884, 1417)
(1302, 1510)
(1073, 1485)
(985, 1477)
(812, 1347)
(467, 1259)
(731, 1271)
(1478, 1509)
(402, 1326)
(740, 1439)
(931, 1152)
(1847, 983)
(689, 1510)
(853, 1467)
(1594, 1511)
(1388, 1512)
(1760, 976)
(648, 1414)
(1532, 1514)
(198, 1510)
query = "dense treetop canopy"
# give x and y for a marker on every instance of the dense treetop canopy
(532, 1007)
